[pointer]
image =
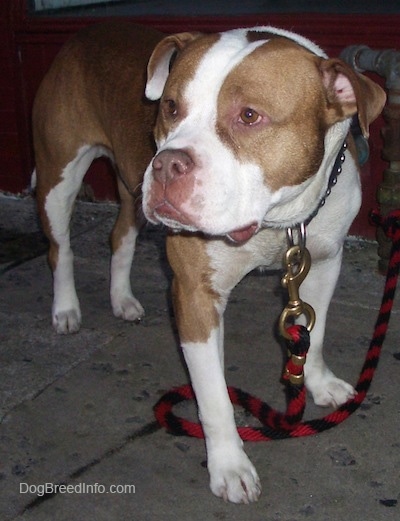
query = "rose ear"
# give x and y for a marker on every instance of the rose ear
(348, 93)
(159, 64)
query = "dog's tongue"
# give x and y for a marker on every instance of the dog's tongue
(243, 234)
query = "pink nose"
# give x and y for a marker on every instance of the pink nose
(169, 165)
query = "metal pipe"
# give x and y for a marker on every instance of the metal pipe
(386, 63)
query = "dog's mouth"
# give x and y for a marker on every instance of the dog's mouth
(166, 213)
(243, 234)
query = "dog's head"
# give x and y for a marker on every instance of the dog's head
(248, 119)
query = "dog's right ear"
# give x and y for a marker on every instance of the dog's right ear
(159, 63)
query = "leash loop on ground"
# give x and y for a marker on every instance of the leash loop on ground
(276, 425)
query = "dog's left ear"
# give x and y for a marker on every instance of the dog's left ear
(349, 93)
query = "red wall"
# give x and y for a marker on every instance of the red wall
(28, 45)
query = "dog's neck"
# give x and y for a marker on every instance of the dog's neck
(336, 171)
(293, 203)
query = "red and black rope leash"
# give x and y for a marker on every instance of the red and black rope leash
(277, 425)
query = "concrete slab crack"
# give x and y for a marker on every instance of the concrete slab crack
(147, 430)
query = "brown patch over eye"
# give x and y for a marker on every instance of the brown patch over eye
(249, 116)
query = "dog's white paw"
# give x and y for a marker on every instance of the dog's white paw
(233, 477)
(327, 390)
(67, 321)
(128, 308)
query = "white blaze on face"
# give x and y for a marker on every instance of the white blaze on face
(228, 193)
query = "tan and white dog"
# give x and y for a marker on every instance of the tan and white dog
(249, 126)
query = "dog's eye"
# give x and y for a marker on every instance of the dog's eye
(170, 107)
(249, 116)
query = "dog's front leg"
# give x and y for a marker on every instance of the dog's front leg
(232, 475)
(199, 315)
(317, 289)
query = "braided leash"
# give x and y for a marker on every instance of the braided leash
(277, 425)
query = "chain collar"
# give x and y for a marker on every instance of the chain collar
(300, 229)
(336, 171)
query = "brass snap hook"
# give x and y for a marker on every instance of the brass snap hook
(298, 262)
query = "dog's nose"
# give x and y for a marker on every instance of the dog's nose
(168, 165)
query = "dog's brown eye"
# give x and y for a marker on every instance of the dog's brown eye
(170, 107)
(249, 116)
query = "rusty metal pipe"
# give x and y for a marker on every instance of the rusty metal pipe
(386, 63)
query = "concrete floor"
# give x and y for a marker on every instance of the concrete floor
(78, 409)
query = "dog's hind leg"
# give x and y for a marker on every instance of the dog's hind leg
(56, 191)
(123, 240)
